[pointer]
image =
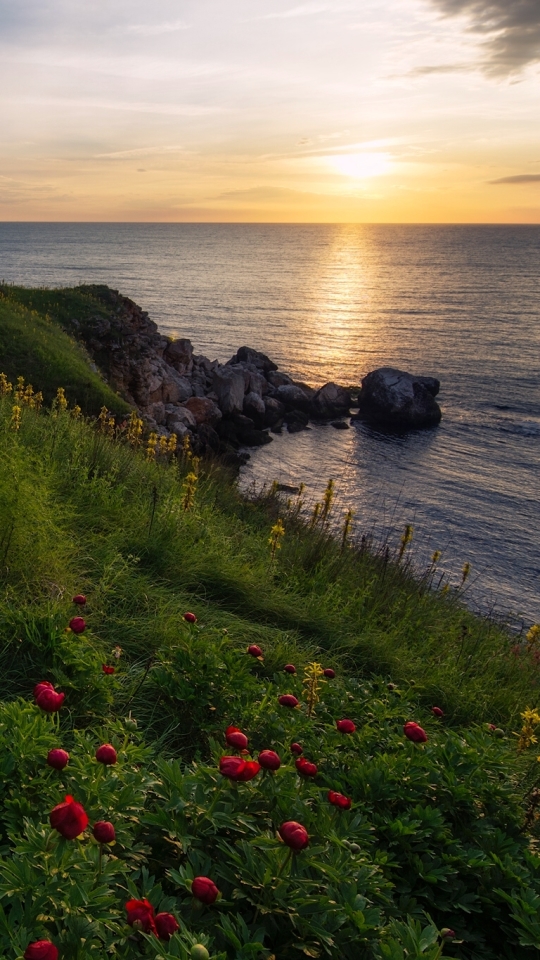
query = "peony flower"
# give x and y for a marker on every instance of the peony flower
(80, 599)
(58, 759)
(288, 700)
(106, 754)
(39, 687)
(346, 726)
(190, 618)
(49, 700)
(69, 818)
(199, 952)
(249, 770)
(205, 890)
(339, 800)
(437, 712)
(166, 925)
(254, 650)
(41, 950)
(235, 738)
(305, 767)
(140, 914)
(414, 732)
(289, 668)
(231, 766)
(104, 832)
(329, 673)
(448, 934)
(294, 835)
(296, 749)
(106, 669)
(269, 760)
(77, 624)
(492, 726)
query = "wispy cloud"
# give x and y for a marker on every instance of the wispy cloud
(306, 10)
(519, 178)
(130, 106)
(442, 68)
(155, 29)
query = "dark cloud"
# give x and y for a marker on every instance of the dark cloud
(519, 178)
(510, 28)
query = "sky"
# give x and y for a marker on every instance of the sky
(357, 111)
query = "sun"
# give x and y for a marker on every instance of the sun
(360, 166)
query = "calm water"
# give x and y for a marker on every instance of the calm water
(333, 302)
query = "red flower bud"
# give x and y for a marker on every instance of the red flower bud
(346, 726)
(69, 818)
(294, 835)
(41, 950)
(437, 712)
(414, 732)
(80, 599)
(77, 624)
(448, 934)
(235, 738)
(288, 700)
(58, 759)
(296, 749)
(190, 618)
(140, 914)
(339, 800)
(329, 673)
(254, 650)
(249, 770)
(289, 668)
(39, 687)
(231, 767)
(49, 700)
(305, 767)
(269, 760)
(166, 925)
(104, 832)
(106, 669)
(205, 890)
(106, 754)
(492, 726)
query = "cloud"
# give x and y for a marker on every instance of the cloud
(306, 10)
(519, 178)
(154, 29)
(264, 194)
(510, 30)
(427, 71)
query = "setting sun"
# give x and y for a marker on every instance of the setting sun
(360, 166)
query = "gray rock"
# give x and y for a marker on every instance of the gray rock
(157, 412)
(293, 396)
(278, 379)
(330, 401)
(203, 410)
(340, 425)
(248, 355)
(175, 389)
(254, 407)
(179, 353)
(257, 383)
(274, 411)
(229, 384)
(181, 415)
(394, 398)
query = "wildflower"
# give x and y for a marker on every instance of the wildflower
(41, 950)
(255, 651)
(288, 700)
(328, 498)
(276, 535)
(151, 445)
(166, 925)
(492, 727)
(436, 557)
(140, 914)
(79, 599)
(69, 818)
(406, 538)
(61, 400)
(189, 490)
(49, 700)
(5, 386)
(43, 685)
(106, 669)
(190, 618)
(294, 835)
(296, 749)
(346, 726)
(437, 712)
(235, 738)
(248, 771)
(58, 759)
(163, 445)
(533, 635)
(171, 448)
(315, 514)
(205, 890)
(329, 673)
(339, 800)
(465, 572)
(15, 421)
(231, 766)
(312, 677)
(306, 768)
(531, 719)
(106, 754)
(134, 430)
(448, 934)
(117, 652)
(269, 760)
(347, 524)
(414, 732)
(77, 624)
(289, 668)
(76, 412)
(104, 832)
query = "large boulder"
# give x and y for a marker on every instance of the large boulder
(254, 408)
(396, 399)
(203, 410)
(179, 353)
(330, 401)
(292, 395)
(229, 385)
(259, 360)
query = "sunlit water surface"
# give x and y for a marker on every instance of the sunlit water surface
(331, 302)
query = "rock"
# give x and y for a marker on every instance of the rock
(278, 379)
(340, 425)
(248, 355)
(255, 438)
(229, 385)
(394, 398)
(203, 410)
(296, 420)
(179, 429)
(179, 353)
(157, 412)
(254, 408)
(209, 437)
(293, 396)
(274, 411)
(257, 383)
(330, 401)
(175, 389)
(181, 415)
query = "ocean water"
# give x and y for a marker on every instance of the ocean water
(332, 302)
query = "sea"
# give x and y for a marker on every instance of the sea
(332, 302)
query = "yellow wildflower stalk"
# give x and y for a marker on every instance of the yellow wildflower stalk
(76, 412)
(61, 399)
(313, 674)
(276, 535)
(531, 719)
(163, 445)
(171, 444)
(189, 490)
(15, 421)
(465, 572)
(406, 538)
(533, 636)
(19, 390)
(347, 525)
(315, 514)
(151, 445)
(436, 557)
(5, 386)
(134, 430)
(328, 499)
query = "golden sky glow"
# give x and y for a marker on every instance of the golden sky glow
(270, 110)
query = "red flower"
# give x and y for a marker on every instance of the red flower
(448, 934)
(289, 668)
(294, 835)
(231, 766)
(106, 754)
(77, 624)
(58, 759)
(140, 914)
(414, 732)
(80, 599)
(190, 618)
(346, 726)
(39, 687)
(104, 832)
(491, 726)
(254, 650)
(339, 800)
(49, 700)
(235, 738)
(69, 818)
(269, 760)
(249, 770)
(205, 890)
(288, 700)
(329, 673)
(437, 712)
(106, 669)
(41, 950)
(305, 767)
(296, 749)
(166, 925)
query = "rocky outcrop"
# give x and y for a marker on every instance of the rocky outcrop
(330, 401)
(395, 399)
